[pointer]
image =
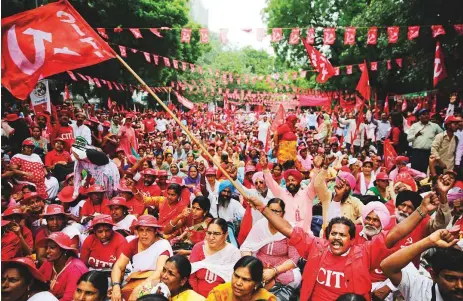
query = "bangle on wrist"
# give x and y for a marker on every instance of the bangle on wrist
(420, 212)
(276, 271)
(170, 222)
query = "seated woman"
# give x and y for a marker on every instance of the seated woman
(213, 259)
(103, 246)
(22, 281)
(193, 178)
(120, 216)
(272, 248)
(17, 239)
(147, 252)
(366, 178)
(62, 267)
(91, 286)
(136, 207)
(246, 283)
(176, 201)
(175, 276)
(189, 227)
(175, 170)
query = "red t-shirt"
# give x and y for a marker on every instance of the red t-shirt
(135, 206)
(131, 249)
(11, 247)
(101, 256)
(330, 278)
(150, 125)
(52, 157)
(66, 133)
(202, 281)
(90, 209)
(147, 191)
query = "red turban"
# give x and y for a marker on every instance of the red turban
(293, 172)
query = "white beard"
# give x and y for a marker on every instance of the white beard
(370, 232)
(400, 216)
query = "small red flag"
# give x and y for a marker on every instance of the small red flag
(372, 36)
(185, 35)
(458, 28)
(329, 36)
(123, 51)
(374, 66)
(156, 32)
(204, 35)
(349, 69)
(389, 154)
(102, 33)
(310, 36)
(110, 104)
(246, 225)
(363, 86)
(278, 120)
(437, 30)
(66, 92)
(294, 36)
(393, 34)
(349, 35)
(136, 33)
(439, 67)
(399, 62)
(45, 41)
(413, 32)
(277, 34)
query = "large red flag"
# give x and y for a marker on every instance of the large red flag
(45, 41)
(439, 68)
(279, 119)
(319, 62)
(389, 154)
(363, 85)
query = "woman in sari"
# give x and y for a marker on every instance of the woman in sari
(272, 248)
(175, 276)
(41, 144)
(176, 201)
(62, 268)
(186, 164)
(277, 174)
(193, 178)
(213, 259)
(246, 283)
(127, 137)
(189, 227)
(325, 129)
(29, 167)
(175, 171)
(366, 178)
(285, 140)
(147, 253)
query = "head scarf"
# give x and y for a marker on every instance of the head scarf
(257, 176)
(293, 172)
(189, 180)
(380, 210)
(226, 184)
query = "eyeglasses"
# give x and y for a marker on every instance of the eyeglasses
(276, 211)
(209, 233)
(259, 182)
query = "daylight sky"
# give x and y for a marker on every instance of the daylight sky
(236, 15)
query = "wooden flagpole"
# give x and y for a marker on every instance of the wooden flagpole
(195, 140)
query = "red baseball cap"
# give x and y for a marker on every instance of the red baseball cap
(451, 119)
(118, 201)
(29, 265)
(124, 188)
(61, 239)
(28, 143)
(11, 117)
(107, 124)
(53, 209)
(176, 180)
(147, 221)
(401, 159)
(66, 194)
(211, 171)
(162, 173)
(249, 168)
(32, 195)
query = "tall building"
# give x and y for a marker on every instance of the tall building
(198, 12)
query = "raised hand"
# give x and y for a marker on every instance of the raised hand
(442, 239)
(430, 202)
(263, 162)
(444, 184)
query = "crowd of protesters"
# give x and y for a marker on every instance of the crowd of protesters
(125, 205)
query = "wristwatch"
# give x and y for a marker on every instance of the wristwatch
(115, 283)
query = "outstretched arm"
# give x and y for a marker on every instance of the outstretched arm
(278, 222)
(392, 266)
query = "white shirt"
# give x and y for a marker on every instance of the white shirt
(459, 153)
(83, 131)
(161, 125)
(233, 212)
(416, 287)
(125, 223)
(43, 296)
(383, 129)
(334, 210)
(263, 130)
(312, 119)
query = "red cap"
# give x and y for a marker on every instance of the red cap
(31, 195)
(124, 188)
(102, 219)
(147, 221)
(95, 188)
(12, 211)
(61, 239)
(149, 172)
(401, 159)
(249, 168)
(28, 143)
(452, 119)
(29, 265)
(94, 120)
(59, 139)
(53, 209)
(211, 171)
(162, 173)
(65, 195)
(176, 180)
(382, 176)
(118, 201)
(11, 117)
(119, 149)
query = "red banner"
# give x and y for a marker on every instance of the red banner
(413, 32)
(349, 36)
(329, 36)
(439, 68)
(393, 34)
(372, 37)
